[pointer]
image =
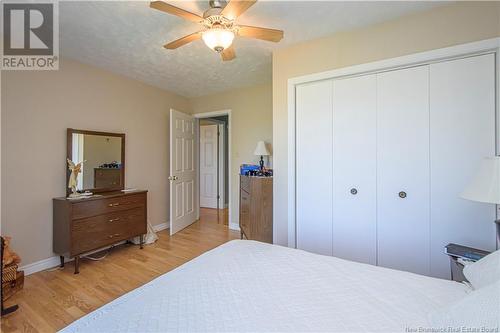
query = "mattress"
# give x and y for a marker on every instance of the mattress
(247, 286)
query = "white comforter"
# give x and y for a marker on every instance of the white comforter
(252, 286)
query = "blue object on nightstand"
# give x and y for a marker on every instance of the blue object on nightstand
(245, 168)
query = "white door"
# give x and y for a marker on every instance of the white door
(182, 171)
(403, 169)
(208, 166)
(354, 169)
(314, 174)
(462, 94)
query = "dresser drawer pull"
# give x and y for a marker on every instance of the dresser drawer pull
(114, 220)
(113, 236)
(114, 204)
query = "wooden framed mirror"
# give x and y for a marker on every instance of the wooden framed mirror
(104, 153)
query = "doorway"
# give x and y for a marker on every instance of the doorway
(213, 159)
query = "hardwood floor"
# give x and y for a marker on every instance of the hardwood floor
(219, 216)
(51, 300)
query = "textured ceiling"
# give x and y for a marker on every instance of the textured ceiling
(127, 37)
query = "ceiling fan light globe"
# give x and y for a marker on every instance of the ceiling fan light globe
(218, 39)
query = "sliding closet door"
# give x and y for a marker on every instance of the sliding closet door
(403, 169)
(462, 94)
(354, 169)
(314, 135)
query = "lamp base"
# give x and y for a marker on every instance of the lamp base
(261, 162)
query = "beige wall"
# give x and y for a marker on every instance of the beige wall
(38, 106)
(251, 121)
(440, 27)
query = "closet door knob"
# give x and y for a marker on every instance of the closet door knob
(402, 194)
(354, 191)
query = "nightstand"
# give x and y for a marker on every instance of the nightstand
(459, 253)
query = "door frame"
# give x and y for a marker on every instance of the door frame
(428, 57)
(220, 160)
(226, 112)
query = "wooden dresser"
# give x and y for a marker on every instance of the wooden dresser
(256, 208)
(84, 225)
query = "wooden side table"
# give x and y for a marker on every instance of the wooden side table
(456, 252)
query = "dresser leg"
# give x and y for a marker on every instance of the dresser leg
(62, 261)
(77, 264)
(141, 242)
(241, 234)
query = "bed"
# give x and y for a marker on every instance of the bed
(248, 286)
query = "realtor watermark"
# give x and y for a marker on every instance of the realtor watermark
(30, 32)
(453, 329)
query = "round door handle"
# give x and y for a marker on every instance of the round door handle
(402, 194)
(354, 191)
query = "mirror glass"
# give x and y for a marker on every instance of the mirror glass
(102, 155)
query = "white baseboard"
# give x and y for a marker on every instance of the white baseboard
(234, 226)
(40, 265)
(54, 261)
(161, 226)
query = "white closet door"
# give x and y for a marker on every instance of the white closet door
(462, 95)
(354, 165)
(403, 169)
(208, 166)
(314, 188)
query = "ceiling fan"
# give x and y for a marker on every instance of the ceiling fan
(219, 27)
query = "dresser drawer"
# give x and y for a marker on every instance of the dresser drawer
(98, 231)
(244, 202)
(91, 208)
(245, 183)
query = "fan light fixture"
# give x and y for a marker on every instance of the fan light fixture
(219, 26)
(218, 39)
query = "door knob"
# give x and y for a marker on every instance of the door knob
(172, 178)
(354, 191)
(402, 194)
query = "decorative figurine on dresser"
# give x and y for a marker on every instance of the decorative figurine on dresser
(90, 218)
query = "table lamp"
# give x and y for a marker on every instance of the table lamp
(261, 150)
(485, 186)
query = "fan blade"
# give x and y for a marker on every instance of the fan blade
(271, 35)
(183, 41)
(165, 7)
(228, 54)
(236, 7)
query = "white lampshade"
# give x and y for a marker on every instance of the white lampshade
(485, 186)
(261, 149)
(218, 39)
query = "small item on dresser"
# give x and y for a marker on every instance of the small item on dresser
(246, 168)
(260, 173)
(126, 190)
(261, 150)
(73, 178)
